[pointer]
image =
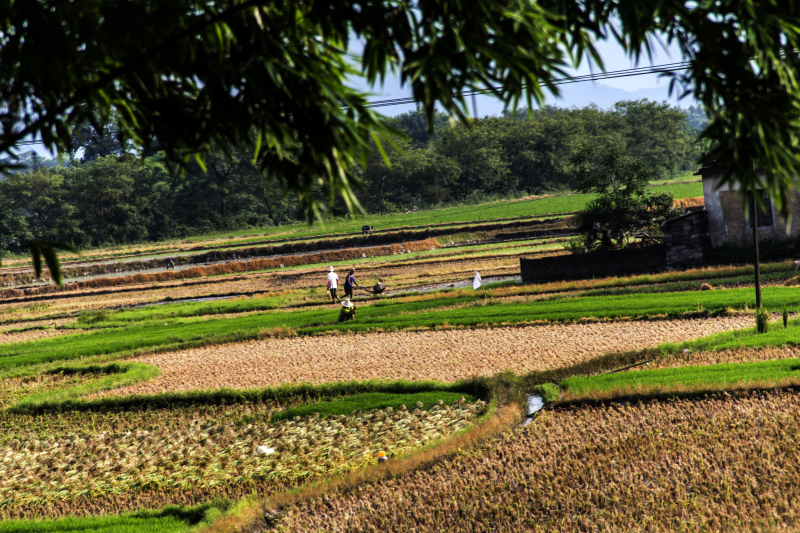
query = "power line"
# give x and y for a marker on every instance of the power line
(625, 73)
(638, 71)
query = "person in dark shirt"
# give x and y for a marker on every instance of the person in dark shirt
(349, 281)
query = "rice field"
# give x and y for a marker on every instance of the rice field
(82, 463)
(490, 212)
(447, 355)
(115, 408)
(723, 463)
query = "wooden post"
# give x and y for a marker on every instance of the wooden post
(755, 241)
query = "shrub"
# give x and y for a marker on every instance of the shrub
(576, 245)
(762, 320)
(93, 317)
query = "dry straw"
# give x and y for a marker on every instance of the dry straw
(723, 463)
(689, 202)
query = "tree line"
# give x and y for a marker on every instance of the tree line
(521, 152)
(111, 197)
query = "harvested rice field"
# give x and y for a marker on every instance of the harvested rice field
(439, 355)
(724, 463)
(81, 463)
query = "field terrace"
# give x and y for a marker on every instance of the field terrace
(126, 409)
(454, 220)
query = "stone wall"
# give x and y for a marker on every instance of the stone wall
(597, 264)
(687, 239)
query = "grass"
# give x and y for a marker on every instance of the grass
(106, 378)
(369, 401)
(289, 395)
(703, 377)
(489, 211)
(691, 377)
(603, 303)
(743, 338)
(100, 524)
(171, 519)
(447, 311)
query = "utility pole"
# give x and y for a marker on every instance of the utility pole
(475, 107)
(754, 216)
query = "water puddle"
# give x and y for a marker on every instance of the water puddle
(462, 284)
(535, 404)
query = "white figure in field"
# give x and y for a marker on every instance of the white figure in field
(333, 284)
(476, 283)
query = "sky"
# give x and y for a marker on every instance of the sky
(603, 93)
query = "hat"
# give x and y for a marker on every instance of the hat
(330, 269)
(347, 303)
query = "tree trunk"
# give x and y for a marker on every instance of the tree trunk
(755, 242)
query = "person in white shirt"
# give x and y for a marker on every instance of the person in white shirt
(333, 284)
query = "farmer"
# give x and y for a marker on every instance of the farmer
(349, 281)
(333, 284)
(170, 263)
(348, 311)
(366, 230)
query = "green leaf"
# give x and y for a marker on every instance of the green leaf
(47, 249)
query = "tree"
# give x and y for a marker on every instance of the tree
(415, 125)
(97, 137)
(43, 195)
(275, 75)
(271, 75)
(411, 177)
(624, 206)
(658, 133)
(478, 153)
(696, 117)
(103, 193)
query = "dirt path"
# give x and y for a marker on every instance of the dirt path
(440, 355)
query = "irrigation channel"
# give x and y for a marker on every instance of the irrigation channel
(535, 404)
